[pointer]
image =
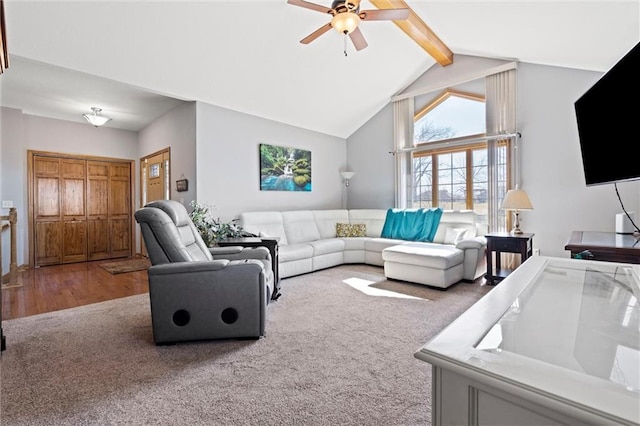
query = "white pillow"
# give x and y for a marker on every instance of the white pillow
(454, 235)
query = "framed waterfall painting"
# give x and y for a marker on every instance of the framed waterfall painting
(284, 169)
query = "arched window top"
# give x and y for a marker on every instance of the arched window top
(451, 115)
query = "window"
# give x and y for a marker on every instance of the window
(452, 114)
(450, 157)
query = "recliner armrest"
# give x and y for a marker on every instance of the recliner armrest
(200, 266)
(260, 253)
(182, 267)
(215, 251)
(472, 243)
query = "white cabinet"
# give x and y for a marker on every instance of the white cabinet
(556, 342)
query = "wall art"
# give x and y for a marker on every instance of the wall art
(284, 169)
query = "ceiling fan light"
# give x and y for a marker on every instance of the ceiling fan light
(345, 22)
(95, 118)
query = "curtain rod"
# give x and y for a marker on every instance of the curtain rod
(459, 142)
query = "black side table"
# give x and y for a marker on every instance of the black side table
(505, 242)
(271, 244)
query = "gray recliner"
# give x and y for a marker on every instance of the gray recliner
(201, 293)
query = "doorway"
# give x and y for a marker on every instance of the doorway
(155, 178)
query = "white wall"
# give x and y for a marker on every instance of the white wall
(551, 162)
(228, 165)
(22, 132)
(551, 170)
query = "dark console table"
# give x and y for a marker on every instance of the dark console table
(505, 242)
(605, 246)
(270, 243)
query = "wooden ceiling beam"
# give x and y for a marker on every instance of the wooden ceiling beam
(420, 32)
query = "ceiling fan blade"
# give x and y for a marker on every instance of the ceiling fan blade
(384, 15)
(317, 33)
(312, 6)
(358, 39)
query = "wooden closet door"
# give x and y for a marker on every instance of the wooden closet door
(81, 208)
(98, 210)
(74, 217)
(120, 209)
(47, 211)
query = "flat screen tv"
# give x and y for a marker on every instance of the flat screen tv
(606, 115)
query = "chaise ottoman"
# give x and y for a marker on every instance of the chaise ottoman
(432, 264)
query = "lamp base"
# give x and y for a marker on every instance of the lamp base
(516, 226)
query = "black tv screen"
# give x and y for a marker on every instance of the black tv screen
(606, 115)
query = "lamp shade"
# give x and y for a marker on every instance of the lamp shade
(516, 199)
(95, 118)
(347, 175)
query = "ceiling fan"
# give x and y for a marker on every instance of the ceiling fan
(346, 17)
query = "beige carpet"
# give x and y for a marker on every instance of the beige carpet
(127, 265)
(333, 355)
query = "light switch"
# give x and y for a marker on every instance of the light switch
(7, 204)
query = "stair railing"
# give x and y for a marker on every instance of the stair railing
(12, 218)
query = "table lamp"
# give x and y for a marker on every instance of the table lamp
(516, 200)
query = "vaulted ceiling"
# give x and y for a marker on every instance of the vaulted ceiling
(139, 59)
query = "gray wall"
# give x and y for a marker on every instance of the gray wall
(228, 163)
(551, 170)
(175, 130)
(368, 151)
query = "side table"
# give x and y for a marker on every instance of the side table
(505, 242)
(270, 243)
(605, 246)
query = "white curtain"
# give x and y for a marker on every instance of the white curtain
(403, 111)
(500, 104)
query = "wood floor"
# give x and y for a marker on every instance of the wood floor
(51, 288)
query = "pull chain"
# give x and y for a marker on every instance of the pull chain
(345, 44)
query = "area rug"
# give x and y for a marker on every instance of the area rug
(333, 355)
(128, 265)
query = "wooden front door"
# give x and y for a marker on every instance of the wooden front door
(155, 178)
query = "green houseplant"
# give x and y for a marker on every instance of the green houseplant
(210, 227)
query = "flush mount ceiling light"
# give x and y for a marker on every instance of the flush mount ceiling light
(95, 118)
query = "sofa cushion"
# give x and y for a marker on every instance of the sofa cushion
(379, 244)
(454, 235)
(264, 224)
(457, 219)
(372, 218)
(351, 230)
(432, 255)
(355, 243)
(292, 252)
(300, 226)
(330, 245)
(326, 221)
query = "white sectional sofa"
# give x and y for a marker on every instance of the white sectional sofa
(308, 242)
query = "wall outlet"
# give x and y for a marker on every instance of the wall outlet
(7, 204)
(536, 252)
